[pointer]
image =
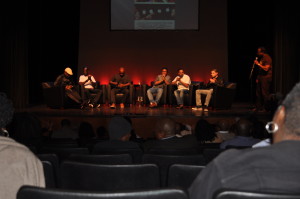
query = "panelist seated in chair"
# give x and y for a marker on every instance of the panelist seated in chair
(159, 82)
(120, 83)
(89, 83)
(183, 82)
(214, 81)
(65, 80)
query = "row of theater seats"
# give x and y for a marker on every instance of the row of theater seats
(28, 192)
(222, 97)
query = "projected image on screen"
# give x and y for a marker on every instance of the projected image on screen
(154, 14)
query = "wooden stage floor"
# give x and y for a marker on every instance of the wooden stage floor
(143, 118)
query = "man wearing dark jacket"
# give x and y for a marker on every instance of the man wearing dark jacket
(214, 81)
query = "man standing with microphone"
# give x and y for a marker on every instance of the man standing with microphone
(263, 80)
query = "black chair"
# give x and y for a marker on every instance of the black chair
(55, 97)
(182, 176)
(135, 153)
(53, 159)
(61, 142)
(130, 99)
(27, 192)
(223, 97)
(64, 153)
(165, 161)
(163, 99)
(116, 159)
(49, 174)
(238, 194)
(84, 176)
(211, 153)
(189, 98)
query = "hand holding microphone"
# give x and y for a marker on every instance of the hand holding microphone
(256, 61)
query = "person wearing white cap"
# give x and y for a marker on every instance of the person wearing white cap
(65, 81)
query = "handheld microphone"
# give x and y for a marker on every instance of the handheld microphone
(256, 58)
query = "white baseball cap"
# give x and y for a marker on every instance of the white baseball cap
(69, 71)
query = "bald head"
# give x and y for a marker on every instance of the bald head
(223, 125)
(165, 128)
(122, 71)
(244, 128)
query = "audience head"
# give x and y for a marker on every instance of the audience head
(204, 131)
(119, 129)
(68, 72)
(122, 71)
(244, 127)
(6, 111)
(287, 117)
(86, 130)
(223, 125)
(165, 128)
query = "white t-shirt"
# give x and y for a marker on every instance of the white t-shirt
(88, 84)
(186, 79)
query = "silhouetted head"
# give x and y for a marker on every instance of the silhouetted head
(244, 127)
(204, 131)
(165, 128)
(119, 129)
(223, 125)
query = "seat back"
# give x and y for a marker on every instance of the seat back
(64, 153)
(211, 153)
(102, 159)
(53, 159)
(26, 192)
(85, 176)
(49, 174)
(237, 194)
(165, 161)
(182, 176)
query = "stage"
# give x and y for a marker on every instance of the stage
(143, 118)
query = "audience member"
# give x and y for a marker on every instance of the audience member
(19, 166)
(119, 130)
(166, 139)
(66, 130)
(206, 133)
(222, 129)
(275, 168)
(243, 136)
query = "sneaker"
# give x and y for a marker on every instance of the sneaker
(205, 109)
(180, 106)
(113, 106)
(97, 105)
(151, 105)
(91, 105)
(197, 108)
(122, 105)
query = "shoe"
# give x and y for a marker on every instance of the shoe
(151, 105)
(197, 108)
(205, 109)
(122, 105)
(113, 106)
(91, 105)
(180, 106)
(97, 105)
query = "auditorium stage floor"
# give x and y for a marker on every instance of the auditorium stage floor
(143, 118)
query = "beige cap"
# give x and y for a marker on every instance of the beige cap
(69, 71)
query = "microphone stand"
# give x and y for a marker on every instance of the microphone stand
(251, 84)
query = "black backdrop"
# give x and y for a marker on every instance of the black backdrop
(39, 38)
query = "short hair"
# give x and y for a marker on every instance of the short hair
(179, 69)
(216, 70)
(164, 68)
(166, 126)
(262, 49)
(86, 67)
(292, 110)
(6, 110)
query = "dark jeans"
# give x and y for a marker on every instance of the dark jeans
(73, 94)
(263, 88)
(88, 95)
(115, 91)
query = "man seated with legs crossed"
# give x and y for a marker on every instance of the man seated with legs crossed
(214, 81)
(183, 82)
(159, 82)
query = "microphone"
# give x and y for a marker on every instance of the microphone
(256, 58)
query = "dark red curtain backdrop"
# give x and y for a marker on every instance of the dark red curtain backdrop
(143, 53)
